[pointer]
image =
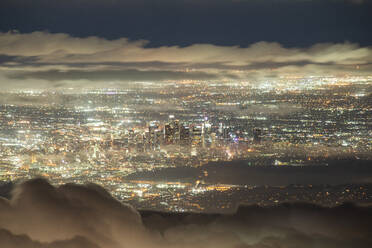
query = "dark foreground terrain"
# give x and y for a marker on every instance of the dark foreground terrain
(39, 215)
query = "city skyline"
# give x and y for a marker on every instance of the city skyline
(139, 143)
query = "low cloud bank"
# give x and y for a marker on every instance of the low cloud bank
(280, 109)
(39, 215)
(47, 60)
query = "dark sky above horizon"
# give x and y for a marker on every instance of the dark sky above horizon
(292, 23)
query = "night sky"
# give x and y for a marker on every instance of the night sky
(292, 23)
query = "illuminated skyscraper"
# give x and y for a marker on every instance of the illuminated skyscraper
(184, 132)
(153, 132)
(226, 133)
(197, 131)
(257, 135)
(175, 124)
(168, 133)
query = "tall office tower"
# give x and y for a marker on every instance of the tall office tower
(207, 130)
(207, 126)
(226, 132)
(168, 133)
(158, 136)
(153, 127)
(220, 128)
(197, 131)
(175, 124)
(184, 132)
(257, 133)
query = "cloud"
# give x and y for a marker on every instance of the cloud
(279, 109)
(114, 75)
(44, 58)
(288, 225)
(39, 215)
(64, 48)
(29, 100)
(47, 214)
(10, 240)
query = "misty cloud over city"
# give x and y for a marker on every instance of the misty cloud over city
(60, 60)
